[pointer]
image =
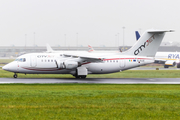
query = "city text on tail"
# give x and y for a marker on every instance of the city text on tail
(168, 59)
(80, 65)
(148, 43)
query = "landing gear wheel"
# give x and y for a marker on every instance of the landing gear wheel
(178, 65)
(81, 72)
(80, 76)
(166, 66)
(76, 76)
(83, 76)
(15, 75)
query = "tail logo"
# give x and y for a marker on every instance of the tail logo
(136, 52)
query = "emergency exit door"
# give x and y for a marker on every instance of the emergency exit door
(33, 61)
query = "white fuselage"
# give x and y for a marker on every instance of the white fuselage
(168, 55)
(44, 63)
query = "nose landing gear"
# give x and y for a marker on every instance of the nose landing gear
(15, 75)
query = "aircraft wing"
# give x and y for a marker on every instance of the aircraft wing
(166, 61)
(159, 59)
(85, 58)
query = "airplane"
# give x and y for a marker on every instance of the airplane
(137, 35)
(166, 58)
(80, 65)
(90, 51)
(50, 50)
(169, 59)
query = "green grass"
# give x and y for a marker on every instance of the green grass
(124, 74)
(6, 60)
(89, 102)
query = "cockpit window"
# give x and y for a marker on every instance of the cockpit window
(16, 59)
(24, 59)
(20, 59)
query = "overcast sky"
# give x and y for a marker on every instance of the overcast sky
(90, 22)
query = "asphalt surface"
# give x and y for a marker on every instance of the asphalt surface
(93, 80)
(154, 68)
(99, 80)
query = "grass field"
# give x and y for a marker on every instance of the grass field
(89, 102)
(124, 74)
(5, 61)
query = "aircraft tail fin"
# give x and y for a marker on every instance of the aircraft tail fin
(148, 43)
(49, 49)
(90, 48)
(137, 35)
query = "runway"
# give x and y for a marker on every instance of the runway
(154, 68)
(93, 80)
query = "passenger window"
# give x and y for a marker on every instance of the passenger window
(51, 60)
(45, 60)
(48, 60)
(41, 60)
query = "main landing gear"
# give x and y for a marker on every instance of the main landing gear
(166, 66)
(178, 65)
(80, 76)
(15, 75)
(81, 72)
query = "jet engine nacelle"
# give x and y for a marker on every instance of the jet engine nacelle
(170, 63)
(59, 64)
(70, 64)
(66, 64)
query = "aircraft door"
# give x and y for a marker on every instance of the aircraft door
(17, 66)
(122, 63)
(33, 61)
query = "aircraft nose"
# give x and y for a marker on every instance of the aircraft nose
(10, 67)
(5, 67)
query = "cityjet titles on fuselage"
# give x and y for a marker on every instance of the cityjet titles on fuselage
(136, 52)
(45, 56)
